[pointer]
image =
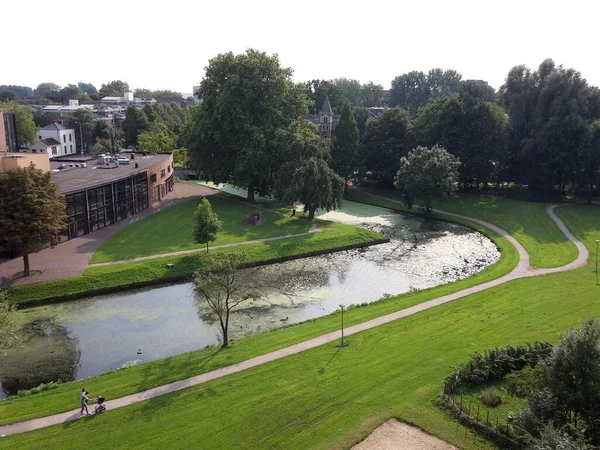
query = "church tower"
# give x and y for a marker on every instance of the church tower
(326, 119)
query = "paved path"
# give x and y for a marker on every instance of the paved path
(203, 249)
(522, 270)
(71, 258)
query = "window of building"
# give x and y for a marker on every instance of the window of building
(153, 178)
(65, 149)
(325, 119)
(33, 150)
(71, 147)
(64, 140)
(169, 168)
(162, 173)
(54, 150)
(70, 138)
(40, 136)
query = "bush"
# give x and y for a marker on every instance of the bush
(491, 397)
(41, 388)
(524, 382)
(495, 364)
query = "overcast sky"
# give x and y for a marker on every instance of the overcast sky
(166, 44)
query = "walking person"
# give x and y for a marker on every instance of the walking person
(84, 400)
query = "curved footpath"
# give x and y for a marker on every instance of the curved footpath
(522, 270)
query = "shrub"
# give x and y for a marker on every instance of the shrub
(523, 382)
(495, 364)
(491, 397)
(41, 388)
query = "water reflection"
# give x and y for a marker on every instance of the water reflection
(109, 332)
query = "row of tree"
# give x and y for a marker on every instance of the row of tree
(81, 91)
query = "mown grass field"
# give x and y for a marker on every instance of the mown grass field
(334, 235)
(329, 397)
(527, 222)
(170, 230)
(134, 379)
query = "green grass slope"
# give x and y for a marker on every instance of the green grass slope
(527, 222)
(331, 398)
(170, 230)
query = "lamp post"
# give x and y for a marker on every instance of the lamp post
(80, 137)
(343, 343)
(597, 242)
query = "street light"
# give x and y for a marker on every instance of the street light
(80, 137)
(343, 343)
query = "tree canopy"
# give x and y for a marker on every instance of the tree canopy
(26, 127)
(43, 88)
(426, 174)
(32, 211)
(223, 289)
(19, 91)
(206, 223)
(115, 88)
(157, 139)
(237, 133)
(345, 157)
(135, 122)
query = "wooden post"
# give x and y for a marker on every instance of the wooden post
(460, 403)
(477, 413)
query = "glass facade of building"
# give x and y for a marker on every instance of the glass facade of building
(98, 207)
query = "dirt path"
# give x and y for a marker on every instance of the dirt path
(396, 435)
(522, 270)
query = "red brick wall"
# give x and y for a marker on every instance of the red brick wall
(159, 189)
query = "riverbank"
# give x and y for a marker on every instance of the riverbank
(137, 378)
(121, 277)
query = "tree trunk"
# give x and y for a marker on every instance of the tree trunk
(251, 193)
(26, 268)
(311, 213)
(206, 247)
(226, 330)
(428, 205)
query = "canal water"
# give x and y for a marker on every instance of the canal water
(82, 338)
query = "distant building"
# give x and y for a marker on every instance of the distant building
(127, 100)
(8, 131)
(325, 120)
(63, 135)
(49, 145)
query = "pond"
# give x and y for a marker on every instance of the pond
(82, 338)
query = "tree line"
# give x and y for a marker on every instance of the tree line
(46, 92)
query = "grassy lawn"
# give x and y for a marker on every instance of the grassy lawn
(170, 230)
(329, 397)
(527, 222)
(137, 378)
(334, 235)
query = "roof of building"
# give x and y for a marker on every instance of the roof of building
(48, 142)
(74, 179)
(55, 126)
(326, 108)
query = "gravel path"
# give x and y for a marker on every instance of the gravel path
(522, 270)
(396, 435)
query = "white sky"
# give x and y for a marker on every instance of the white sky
(167, 43)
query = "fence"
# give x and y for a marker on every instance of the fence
(470, 416)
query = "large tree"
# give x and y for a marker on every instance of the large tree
(135, 122)
(426, 174)
(237, 133)
(415, 89)
(157, 139)
(43, 88)
(6, 96)
(206, 224)
(115, 88)
(345, 156)
(224, 289)
(111, 144)
(26, 127)
(386, 140)
(32, 211)
(306, 177)
(470, 128)
(87, 88)
(549, 110)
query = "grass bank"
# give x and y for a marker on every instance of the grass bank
(134, 379)
(527, 222)
(170, 230)
(118, 277)
(329, 397)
